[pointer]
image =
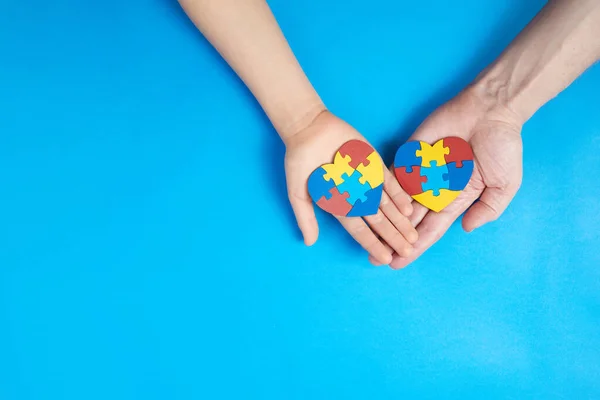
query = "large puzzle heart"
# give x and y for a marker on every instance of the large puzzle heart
(434, 175)
(352, 185)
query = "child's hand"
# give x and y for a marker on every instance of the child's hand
(315, 145)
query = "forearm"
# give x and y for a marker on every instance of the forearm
(560, 43)
(247, 36)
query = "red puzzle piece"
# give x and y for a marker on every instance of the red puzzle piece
(358, 152)
(337, 204)
(459, 151)
(410, 181)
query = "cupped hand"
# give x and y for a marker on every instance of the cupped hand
(494, 133)
(315, 145)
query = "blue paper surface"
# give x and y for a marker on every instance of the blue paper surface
(123, 277)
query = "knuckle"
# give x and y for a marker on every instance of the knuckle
(400, 197)
(358, 229)
(393, 190)
(398, 241)
(385, 200)
(377, 218)
(373, 247)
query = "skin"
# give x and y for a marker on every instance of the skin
(555, 48)
(495, 136)
(561, 42)
(313, 146)
(247, 36)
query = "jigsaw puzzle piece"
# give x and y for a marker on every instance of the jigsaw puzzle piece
(435, 153)
(410, 181)
(338, 169)
(372, 173)
(354, 188)
(337, 203)
(436, 178)
(406, 156)
(318, 186)
(459, 177)
(368, 207)
(358, 151)
(439, 202)
(460, 151)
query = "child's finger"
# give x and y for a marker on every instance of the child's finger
(401, 222)
(359, 230)
(402, 200)
(374, 261)
(419, 212)
(388, 232)
(305, 216)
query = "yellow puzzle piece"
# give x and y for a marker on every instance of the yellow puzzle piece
(436, 203)
(337, 169)
(372, 173)
(430, 153)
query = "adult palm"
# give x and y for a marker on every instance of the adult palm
(494, 133)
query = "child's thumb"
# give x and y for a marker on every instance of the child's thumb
(305, 216)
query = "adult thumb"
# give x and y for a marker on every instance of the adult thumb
(491, 204)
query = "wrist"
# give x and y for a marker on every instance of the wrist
(488, 98)
(300, 120)
(553, 50)
(498, 93)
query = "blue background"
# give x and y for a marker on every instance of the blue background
(128, 272)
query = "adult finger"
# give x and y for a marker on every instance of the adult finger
(491, 205)
(388, 232)
(305, 216)
(358, 229)
(434, 225)
(401, 222)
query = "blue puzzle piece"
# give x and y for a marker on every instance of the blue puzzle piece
(406, 156)
(318, 186)
(459, 177)
(369, 207)
(437, 178)
(354, 188)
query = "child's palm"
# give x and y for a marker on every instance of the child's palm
(315, 146)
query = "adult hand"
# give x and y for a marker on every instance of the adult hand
(495, 136)
(315, 145)
(554, 49)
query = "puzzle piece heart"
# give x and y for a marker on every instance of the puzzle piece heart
(352, 185)
(434, 175)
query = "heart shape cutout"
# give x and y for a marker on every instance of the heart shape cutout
(352, 185)
(434, 175)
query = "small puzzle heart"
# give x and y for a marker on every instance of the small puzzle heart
(352, 185)
(434, 175)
